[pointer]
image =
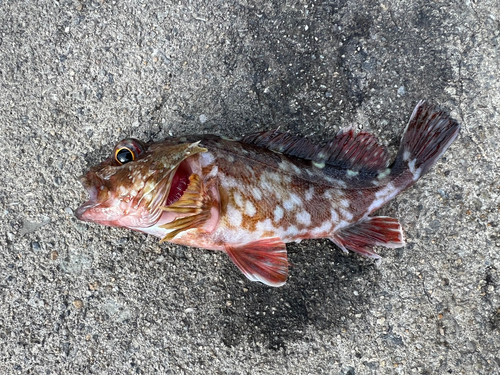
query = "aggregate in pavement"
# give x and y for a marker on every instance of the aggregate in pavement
(78, 76)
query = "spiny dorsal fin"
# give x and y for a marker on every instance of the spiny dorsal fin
(347, 150)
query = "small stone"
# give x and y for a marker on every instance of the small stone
(78, 303)
(203, 119)
(54, 255)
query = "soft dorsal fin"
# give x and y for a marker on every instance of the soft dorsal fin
(347, 150)
(356, 151)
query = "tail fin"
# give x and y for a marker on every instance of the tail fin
(428, 134)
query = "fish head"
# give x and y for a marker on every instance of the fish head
(129, 188)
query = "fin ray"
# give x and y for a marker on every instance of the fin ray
(347, 150)
(195, 202)
(264, 260)
(427, 136)
(362, 236)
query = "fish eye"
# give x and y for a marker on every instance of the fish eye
(124, 155)
(128, 150)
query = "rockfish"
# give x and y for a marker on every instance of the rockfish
(250, 197)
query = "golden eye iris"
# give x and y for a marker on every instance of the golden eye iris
(124, 155)
(128, 150)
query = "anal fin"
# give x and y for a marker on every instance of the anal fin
(264, 260)
(373, 231)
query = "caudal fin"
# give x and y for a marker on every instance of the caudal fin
(428, 134)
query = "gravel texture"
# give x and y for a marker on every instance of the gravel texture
(78, 76)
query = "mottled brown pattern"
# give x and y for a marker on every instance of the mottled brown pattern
(251, 198)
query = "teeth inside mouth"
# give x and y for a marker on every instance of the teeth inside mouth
(179, 184)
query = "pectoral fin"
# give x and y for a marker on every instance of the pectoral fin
(374, 231)
(263, 260)
(195, 202)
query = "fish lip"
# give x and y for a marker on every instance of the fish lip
(83, 209)
(90, 182)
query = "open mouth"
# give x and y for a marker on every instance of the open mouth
(179, 183)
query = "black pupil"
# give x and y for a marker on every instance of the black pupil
(124, 156)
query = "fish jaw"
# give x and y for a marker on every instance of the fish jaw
(132, 195)
(106, 207)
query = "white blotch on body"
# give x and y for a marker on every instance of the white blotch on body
(257, 193)
(264, 183)
(278, 213)
(382, 196)
(249, 208)
(351, 173)
(291, 231)
(264, 226)
(383, 174)
(309, 193)
(334, 216)
(341, 225)
(229, 182)
(275, 177)
(303, 217)
(295, 168)
(293, 200)
(234, 216)
(238, 199)
(206, 158)
(213, 172)
(344, 203)
(323, 229)
(283, 166)
(346, 214)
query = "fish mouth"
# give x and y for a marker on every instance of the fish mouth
(179, 182)
(90, 183)
(167, 191)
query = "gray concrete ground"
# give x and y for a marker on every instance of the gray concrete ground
(77, 76)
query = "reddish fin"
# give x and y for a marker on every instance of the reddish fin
(356, 151)
(284, 143)
(347, 150)
(263, 260)
(427, 136)
(374, 231)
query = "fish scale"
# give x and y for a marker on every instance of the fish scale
(250, 197)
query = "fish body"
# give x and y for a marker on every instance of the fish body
(250, 197)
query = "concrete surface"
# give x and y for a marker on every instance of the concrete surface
(77, 76)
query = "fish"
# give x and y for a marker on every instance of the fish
(252, 196)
